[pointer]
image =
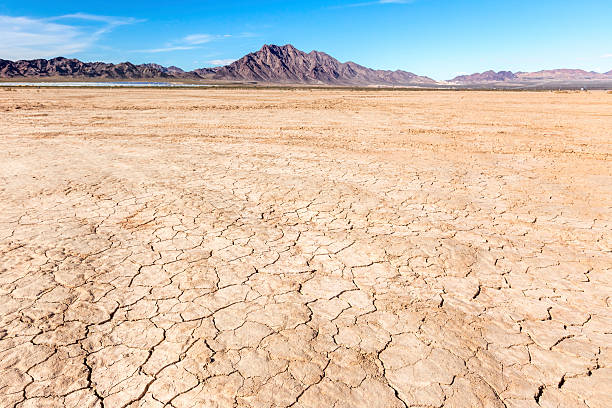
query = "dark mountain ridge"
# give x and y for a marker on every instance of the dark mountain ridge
(65, 67)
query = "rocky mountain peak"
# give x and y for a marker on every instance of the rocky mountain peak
(287, 64)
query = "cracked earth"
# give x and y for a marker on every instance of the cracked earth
(270, 248)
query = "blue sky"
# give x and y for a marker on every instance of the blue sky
(437, 38)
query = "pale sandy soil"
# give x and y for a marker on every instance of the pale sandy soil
(223, 248)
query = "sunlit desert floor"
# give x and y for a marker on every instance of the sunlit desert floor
(305, 248)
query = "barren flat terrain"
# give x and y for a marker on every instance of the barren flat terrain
(305, 248)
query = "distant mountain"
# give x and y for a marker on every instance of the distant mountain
(287, 64)
(487, 76)
(172, 70)
(546, 76)
(563, 75)
(64, 67)
(271, 64)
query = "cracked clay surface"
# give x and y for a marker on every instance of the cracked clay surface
(272, 248)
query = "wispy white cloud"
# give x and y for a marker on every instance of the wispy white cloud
(27, 37)
(24, 37)
(199, 38)
(110, 20)
(218, 62)
(108, 23)
(203, 38)
(606, 56)
(191, 41)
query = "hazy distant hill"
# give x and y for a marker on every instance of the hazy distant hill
(550, 76)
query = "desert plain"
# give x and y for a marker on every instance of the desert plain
(305, 248)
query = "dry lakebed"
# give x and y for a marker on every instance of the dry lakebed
(305, 248)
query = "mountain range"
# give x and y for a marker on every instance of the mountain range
(274, 64)
(550, 75)
(271, 64)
